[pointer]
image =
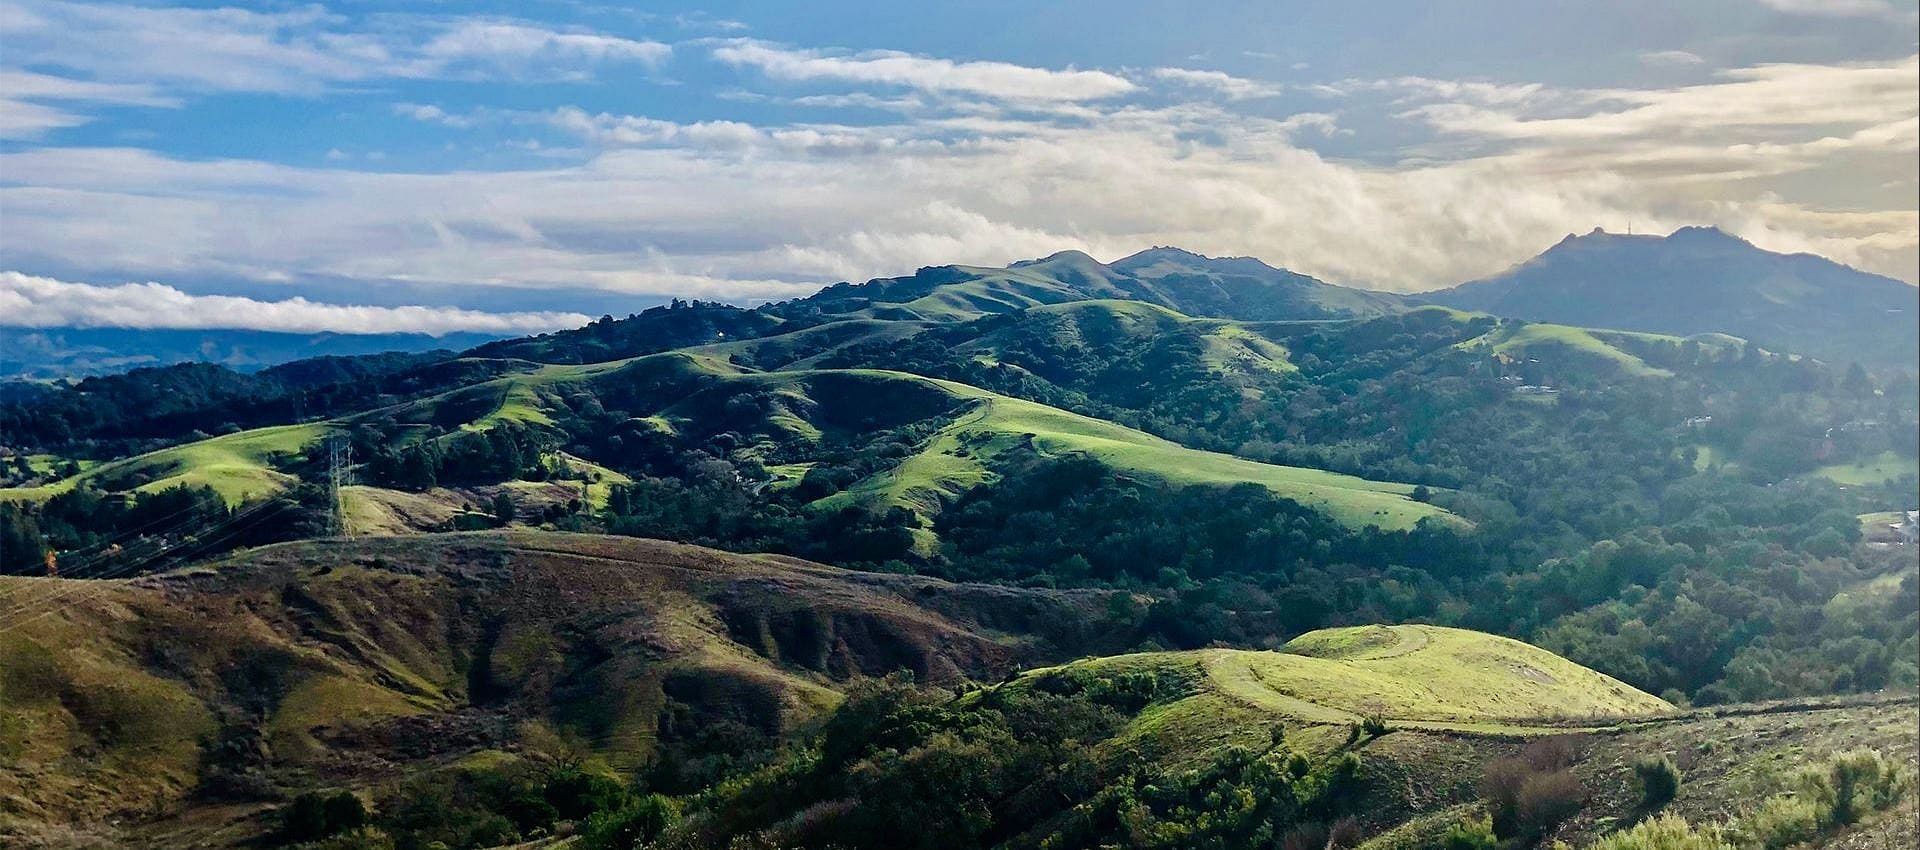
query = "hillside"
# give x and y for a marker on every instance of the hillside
(359, 662)
(190, 705)
(1701, 280)
(788, 418)
(1236, 287)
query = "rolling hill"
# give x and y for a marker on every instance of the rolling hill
(180, 709)
(1701, 280)
(363, 661)
(1235, 287)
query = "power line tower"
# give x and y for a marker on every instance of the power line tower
(339, 474)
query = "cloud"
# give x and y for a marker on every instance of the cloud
(1671, 58)
(23, 115)
(1496, 171)
(999, 80)
(1834, 8)
(485, 48)
(42, 302)
(1229, 86)
(305, 50)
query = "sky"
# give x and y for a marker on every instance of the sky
(514, 167)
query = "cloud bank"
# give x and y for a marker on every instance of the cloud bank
(40, 302)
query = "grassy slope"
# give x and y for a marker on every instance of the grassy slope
(322, 650)
(234, 464)
(1518, 339)
(1227, 345)
(957, 458)
(1882, 467)
(1412, 676)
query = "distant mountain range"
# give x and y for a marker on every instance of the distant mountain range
(46, 353)
(1696, 280)
(1704, 280)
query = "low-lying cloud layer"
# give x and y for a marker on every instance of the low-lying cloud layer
(40, 302)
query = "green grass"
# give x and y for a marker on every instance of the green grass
(1225, 345)
(236, 465)
(1883, 467)
(1412, 676)
(1520, 340)
(957, 458)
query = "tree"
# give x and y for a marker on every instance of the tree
(503, 508)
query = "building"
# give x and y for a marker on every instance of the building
(1907, 530)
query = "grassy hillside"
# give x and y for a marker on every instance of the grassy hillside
(356, 661)
(696, 395)
(239, 466)
(1881, 468)
(1424, 676)
(959, 457)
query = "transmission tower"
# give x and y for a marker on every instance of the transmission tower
(339, 474)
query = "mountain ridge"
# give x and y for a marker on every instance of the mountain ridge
(1702, 279)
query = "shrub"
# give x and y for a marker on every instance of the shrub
(1529, 794)
(1470, 834)
(316, 814)
(1853, 784)
(1545, 755)
(1663, 832)
(1659, 781)
(1547, 799)
(1780, 822)
(640, 822)
(1345, 832)
(1374, 725)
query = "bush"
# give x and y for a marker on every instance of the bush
(1374, 726)
(1547, 799)
(1471, 834)
(1663, 832)
(1659, 781)
(317, 814)
(1853, 784)
(1782, 821)
(1529, 794)
(640, 822)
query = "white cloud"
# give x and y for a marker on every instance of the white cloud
(728, 209)
(1834, 8)
(24, 116)
(304, 50)
(519, 50)
(42, 302)
(1671, 58)
(999, 80)
(1228, 85)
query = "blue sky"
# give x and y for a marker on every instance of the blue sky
(552, 159)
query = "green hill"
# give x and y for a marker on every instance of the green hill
(240, 466)
(786, 417)
(319, 659)
(1424, 676)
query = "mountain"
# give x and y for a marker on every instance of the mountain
(1704, 280)
(50, 353)
(1233, 287)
